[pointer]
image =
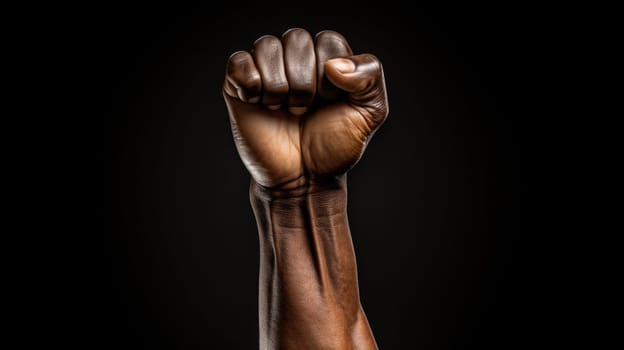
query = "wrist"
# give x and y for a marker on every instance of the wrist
(302, 187)
(303, 205)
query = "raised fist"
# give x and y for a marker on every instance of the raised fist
(303, 108)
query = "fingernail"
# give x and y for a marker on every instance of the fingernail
(343, 65)
(274, 107)
(254, 99)
(297, 110)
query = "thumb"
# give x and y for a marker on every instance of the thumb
(362, 78)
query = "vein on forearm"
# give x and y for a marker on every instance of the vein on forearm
(308, 279)
(306, 239)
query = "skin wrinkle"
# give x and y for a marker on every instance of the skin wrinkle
(308, 290)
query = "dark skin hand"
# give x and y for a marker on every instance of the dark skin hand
(302, 112)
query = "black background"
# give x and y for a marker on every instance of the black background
(439, 206)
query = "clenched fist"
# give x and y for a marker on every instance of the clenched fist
(303, 108)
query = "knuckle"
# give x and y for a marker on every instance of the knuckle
(266, 40)
(372, 63)
(237, 61)
(326, 32)
(238, 57)
(295, 32)
(329, 35)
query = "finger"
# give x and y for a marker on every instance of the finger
(242, 79)
(328, 45)
(362, 78)
(300, 66)
(269, 58)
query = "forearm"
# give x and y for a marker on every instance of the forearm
(308, 279)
